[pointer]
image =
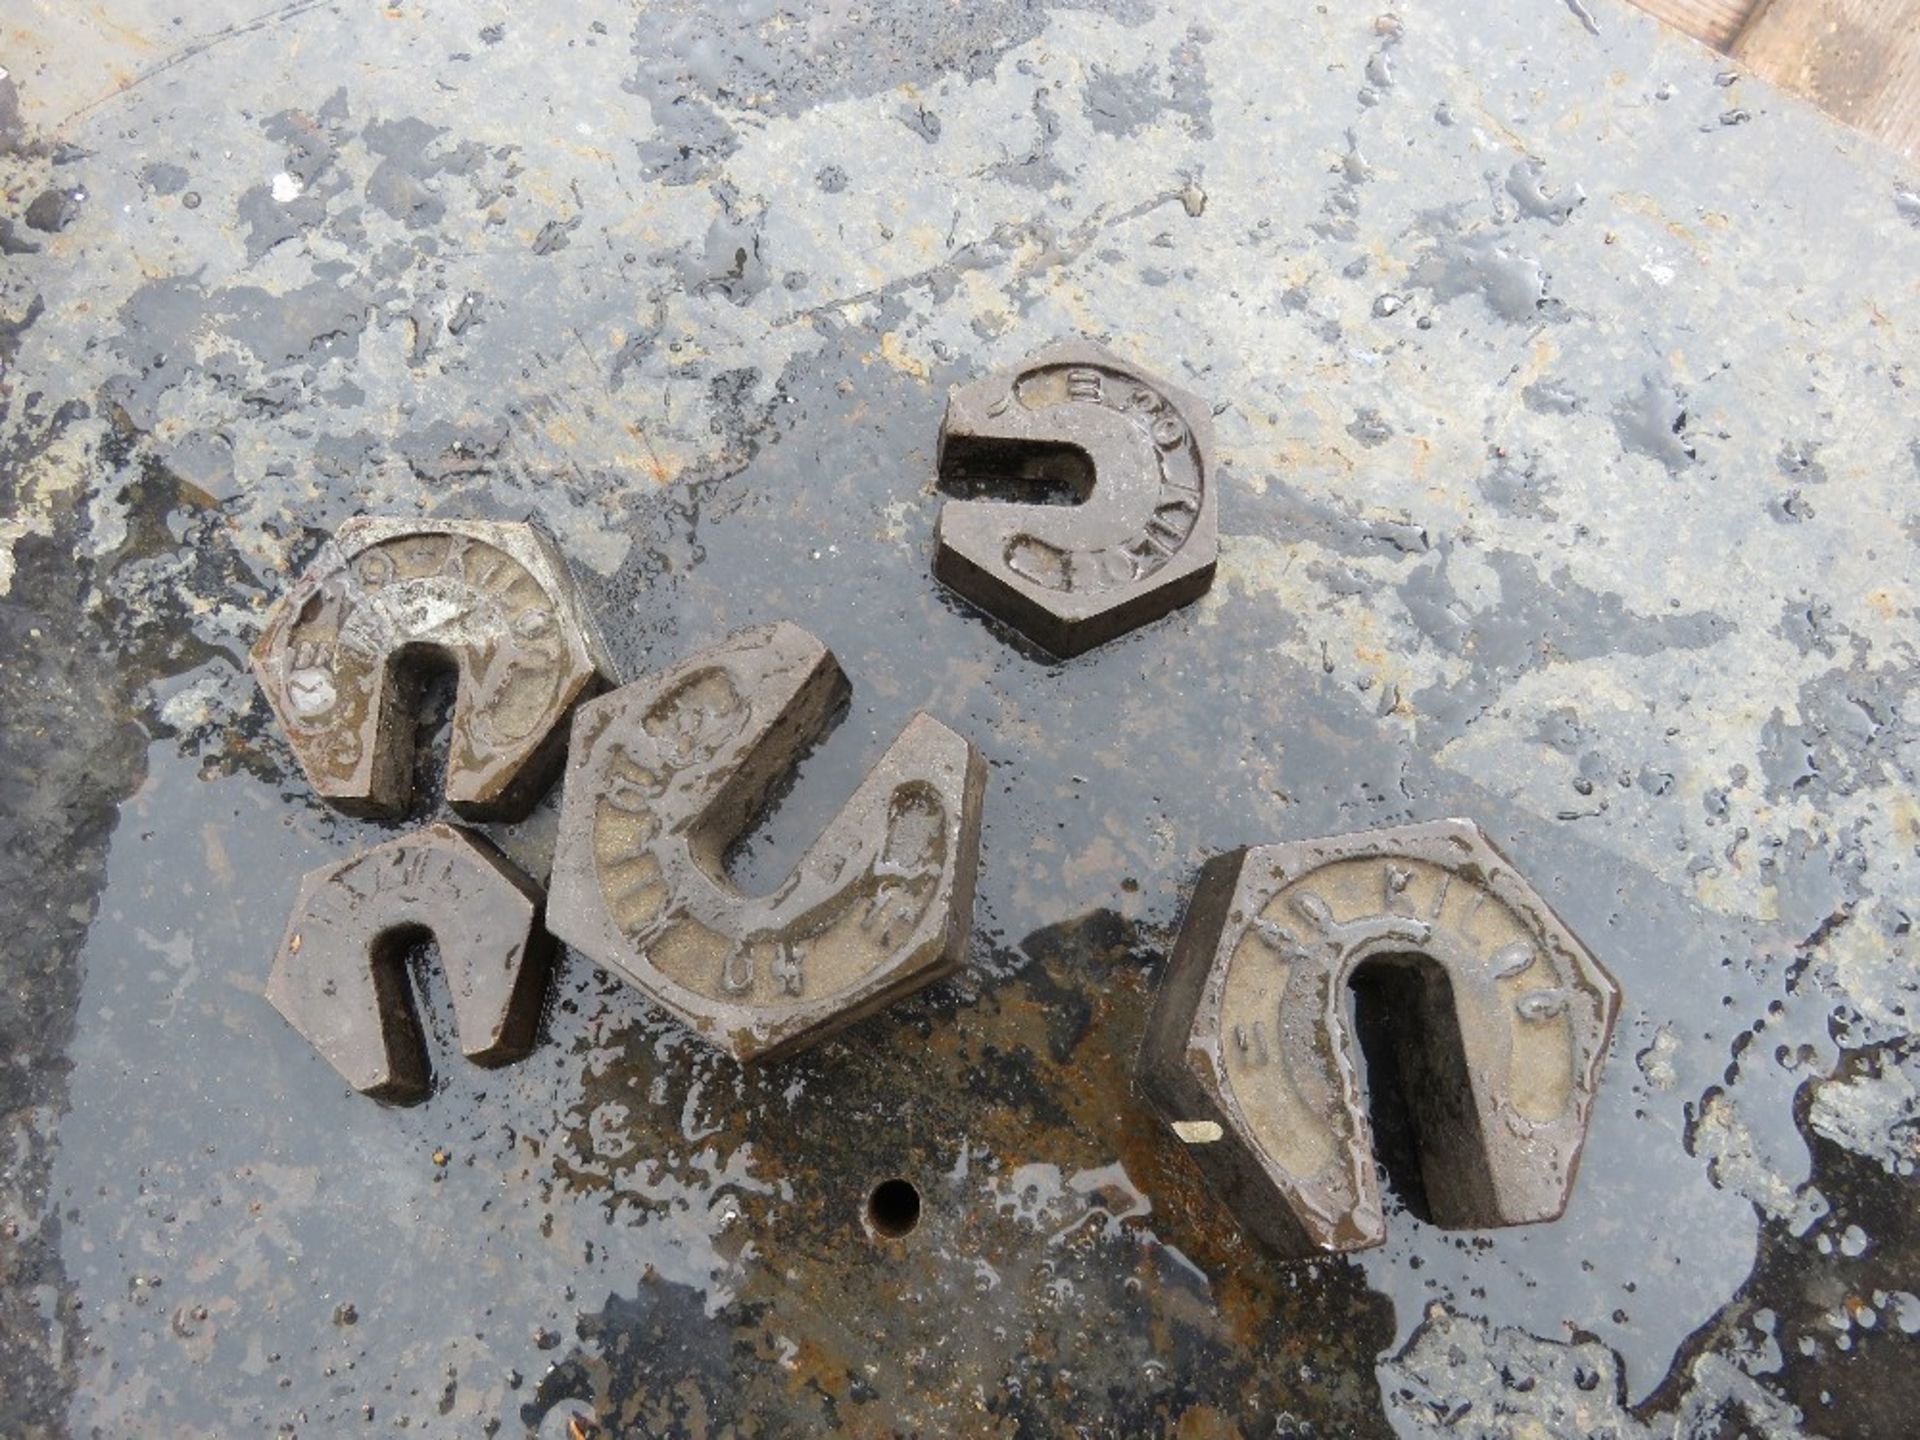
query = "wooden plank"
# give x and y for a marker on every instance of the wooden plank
(1714, 21)
(1859, 60)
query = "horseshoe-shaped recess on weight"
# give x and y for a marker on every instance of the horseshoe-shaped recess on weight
(1139, 453)
(494, 600)
(1499, 1020)
(339, 979)
(664, 774)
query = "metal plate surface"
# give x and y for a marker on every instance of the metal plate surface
(1563, 387)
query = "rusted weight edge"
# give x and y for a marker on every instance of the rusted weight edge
(1142, 542)
(665, 773)
(494, 599)
(1501, 1024)
(339, 980)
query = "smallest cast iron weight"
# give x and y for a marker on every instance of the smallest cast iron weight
(1135, 455)
(339, 977)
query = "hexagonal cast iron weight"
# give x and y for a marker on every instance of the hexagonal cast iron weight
(339, 980)
(664, 774)
(1500, 1024)
(495, 600)
(1137, 453)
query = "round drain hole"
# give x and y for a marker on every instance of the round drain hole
(893, 1209)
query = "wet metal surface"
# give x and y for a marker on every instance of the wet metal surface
(666, 774)
(1140, 537)
(493, 601)
(339, 978)
(1496, 1016)
(1581, 504)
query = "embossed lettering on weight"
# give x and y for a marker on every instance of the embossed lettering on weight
(1278, 933)
(651, 890)
(1143, 538)
(495, 600)
(666, 773)
(1181, 477)
(439, 589)
(886, 902)
(1252, 1042)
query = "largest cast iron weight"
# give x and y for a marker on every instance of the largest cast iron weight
(495, 600)
(1137, 456)
(1498, 1017)
(664, 774)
